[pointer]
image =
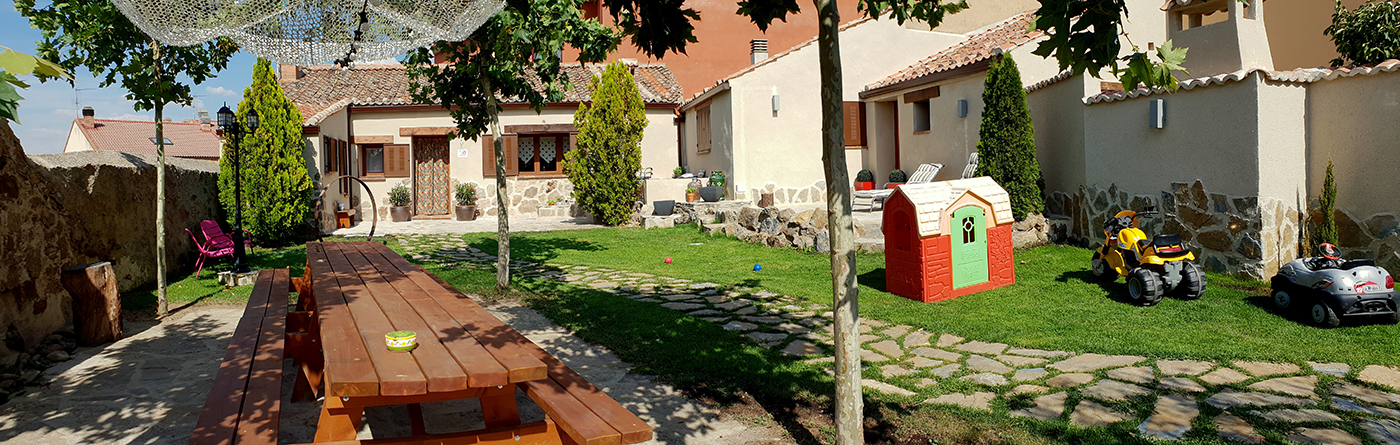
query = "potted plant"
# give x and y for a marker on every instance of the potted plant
(897, 177)
(715, 191)
(678, 172)
(399, 197)
(865, 180)
(691, 195)
(466, 201)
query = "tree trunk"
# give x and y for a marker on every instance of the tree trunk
(849, 411)
(97, 309)
(162, 305)
(503, 220)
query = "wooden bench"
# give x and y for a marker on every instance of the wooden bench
(245, 401)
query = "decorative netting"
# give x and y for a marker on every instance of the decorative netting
(309, 32)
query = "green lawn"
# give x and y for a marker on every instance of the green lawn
(183, 289)
(1055, 303)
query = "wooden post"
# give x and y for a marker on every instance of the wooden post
(97, 309)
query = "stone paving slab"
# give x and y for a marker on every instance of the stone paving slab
(1333, 369)
(1091, 414)
(1028, 374)
(981, 347)
(1094, 362)
(947, 340)
(1230, 398)
(1046, 407)
(937, 353)
(802, 347)
(1181, 384)
(1171, 419)
(1265, 369)
(1184, 367)
(1385, 431)
(1381, 375)
(1352, 406)
(1113, 390)
(1297, 415)
(1027, 389)
(1134, 374)
(1323, 436)
(983, 364)
(946, 371)
(986, 378)
(1019, 361)
(887, 347)
(1301, 386)
(916, 339)
(1037, 352)
(1365, 394)
(1234, 428)
(1224, 376)
(1069, 380)
(981, 401)
(887, 388)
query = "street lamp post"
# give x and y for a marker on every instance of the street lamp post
(230, 126)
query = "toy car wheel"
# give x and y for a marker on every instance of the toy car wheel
(1099, 267)
(1145, 286)
(1193, 282)
(1283, 300)
(1324, 316)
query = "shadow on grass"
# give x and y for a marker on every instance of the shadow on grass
(874, 279)
(183, 289)
(538, 250)
(1113, 290)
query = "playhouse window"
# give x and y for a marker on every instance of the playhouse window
(969, 236)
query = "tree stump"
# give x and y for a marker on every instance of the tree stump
(97, 309)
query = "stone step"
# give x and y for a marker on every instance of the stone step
(714, 228)
(870, 245)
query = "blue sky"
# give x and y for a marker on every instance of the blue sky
(48, 109)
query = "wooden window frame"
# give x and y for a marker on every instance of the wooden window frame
(364, 161)
(536, 162)
(854, 118)
(703, 134)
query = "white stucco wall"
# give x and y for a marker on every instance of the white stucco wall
(76, 140)
(1058, 114)
(1211, 134)
(1283, 139)
(1352, 121)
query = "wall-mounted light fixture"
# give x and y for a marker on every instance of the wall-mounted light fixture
(962, 108)
(775, 99)
(1157, 113)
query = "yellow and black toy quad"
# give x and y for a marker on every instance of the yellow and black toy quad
(1154, 267)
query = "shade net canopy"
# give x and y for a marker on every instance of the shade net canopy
(309, 32)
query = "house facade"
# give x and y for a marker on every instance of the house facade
(191, 139)
(362, 122)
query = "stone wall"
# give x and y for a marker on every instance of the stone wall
(66, 210)
(815, 193)
(527, 196)
(1376, 236)
(1243, 235)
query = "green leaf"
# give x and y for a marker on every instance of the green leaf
(19, 63)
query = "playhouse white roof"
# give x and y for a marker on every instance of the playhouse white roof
(931, 201)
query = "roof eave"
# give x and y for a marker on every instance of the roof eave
(722, 86)
(971, 68)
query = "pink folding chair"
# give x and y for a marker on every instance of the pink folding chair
(216, 243)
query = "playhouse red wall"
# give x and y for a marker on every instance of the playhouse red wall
(925, 271)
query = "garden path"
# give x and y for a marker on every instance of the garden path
(149, 388)
(1324, 403)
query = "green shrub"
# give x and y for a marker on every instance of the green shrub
(466, 194)
(1006, 144)
(865, 176)
(604, 166)
(1367, 35)
(1326, 230)
(898, 175)
(400, 195)
(277, 189)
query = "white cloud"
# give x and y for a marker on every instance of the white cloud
(220, 91)
(129, 117)
(64, 112)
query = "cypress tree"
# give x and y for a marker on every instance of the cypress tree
(276, 186)
(1326, 231)
(604, 165)
(1006, 140)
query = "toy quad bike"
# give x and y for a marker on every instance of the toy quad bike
(1330, 288)
(1153, 267)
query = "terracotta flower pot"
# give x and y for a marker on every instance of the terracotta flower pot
(865, 185)
(692, 197)
(893, 185)
(400, 214)
(466, 213)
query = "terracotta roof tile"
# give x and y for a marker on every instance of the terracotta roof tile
(190, 139)
(1066, 74)
(1001, 37)
(1300, 75)
(323, 90)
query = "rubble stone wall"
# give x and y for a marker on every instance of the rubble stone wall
(66, 210)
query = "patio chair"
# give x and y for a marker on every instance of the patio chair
(216, 243)
(971, 168)
(924, 174)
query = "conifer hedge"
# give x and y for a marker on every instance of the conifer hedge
(603, 168)
(1006, 145)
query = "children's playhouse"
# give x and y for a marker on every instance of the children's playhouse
(948, 239)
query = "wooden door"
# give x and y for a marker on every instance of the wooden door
(969, 246)
(431, 183)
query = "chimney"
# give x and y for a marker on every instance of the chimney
(758, 51)
(88, 117)
(288, 72)
(631, 65)
(167, 120)
(204, 122)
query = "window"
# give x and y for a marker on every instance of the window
(541, 154)
(921, 117)
(855, 124)
(702, 129)
(968, 226)
(373, 157)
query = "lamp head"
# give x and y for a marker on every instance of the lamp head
(252, 120)
(225, 118)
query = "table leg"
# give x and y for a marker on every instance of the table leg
(338, 422)
(415, 420)
(500, 410)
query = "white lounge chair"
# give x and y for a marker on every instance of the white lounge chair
(924, 174)
(971, 168)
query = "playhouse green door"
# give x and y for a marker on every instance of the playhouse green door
(969, 246)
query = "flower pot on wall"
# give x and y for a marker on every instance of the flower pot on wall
(865, 185)
(711, 194)
(692, 196)
(663, 207)
(400, 213)
(466, 213)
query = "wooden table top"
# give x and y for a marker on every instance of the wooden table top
(364, 290)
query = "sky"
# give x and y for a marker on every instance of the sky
(46, 114)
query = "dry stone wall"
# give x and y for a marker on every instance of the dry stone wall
(1244, 235)
(61, 211)
(815, 193)
(528, 196)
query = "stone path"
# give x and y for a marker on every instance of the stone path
(916, 364)
(149, 388)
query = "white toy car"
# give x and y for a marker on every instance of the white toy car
(1330, 288)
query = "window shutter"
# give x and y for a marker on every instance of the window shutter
(512, 157)
(488, 156)
(396, 161)
(855, 123)
(327, 153)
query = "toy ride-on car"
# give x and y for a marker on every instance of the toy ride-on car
(1330, 288)
(1154, 267)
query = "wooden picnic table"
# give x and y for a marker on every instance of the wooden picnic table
(356, 292)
